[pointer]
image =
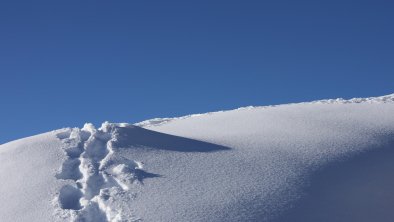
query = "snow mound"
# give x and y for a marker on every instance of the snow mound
(329, 160)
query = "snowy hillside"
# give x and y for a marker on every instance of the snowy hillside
(328, 160)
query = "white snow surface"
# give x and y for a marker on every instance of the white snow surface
(328, 160)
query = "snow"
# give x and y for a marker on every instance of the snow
(381, 99)
(328, 160)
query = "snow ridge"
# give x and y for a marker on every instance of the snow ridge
(381, 99)
(96, 178)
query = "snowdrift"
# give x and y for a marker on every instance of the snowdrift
(329, 160)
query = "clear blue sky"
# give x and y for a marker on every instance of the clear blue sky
(64, 63)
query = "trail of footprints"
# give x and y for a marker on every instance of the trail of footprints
(96, 174)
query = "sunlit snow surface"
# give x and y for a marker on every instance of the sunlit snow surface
(328, 160)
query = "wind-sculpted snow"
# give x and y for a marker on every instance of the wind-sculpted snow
(329, 160)
(282, 163)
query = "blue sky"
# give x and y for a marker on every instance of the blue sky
(64, 63)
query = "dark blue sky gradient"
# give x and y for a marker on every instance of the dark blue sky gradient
(64, 63)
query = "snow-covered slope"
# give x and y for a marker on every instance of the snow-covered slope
(329, 160)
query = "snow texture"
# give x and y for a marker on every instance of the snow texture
(328, 160)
